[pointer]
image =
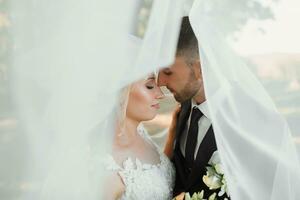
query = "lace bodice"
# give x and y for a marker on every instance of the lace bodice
(142, 180)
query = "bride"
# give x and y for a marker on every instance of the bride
(137, 168)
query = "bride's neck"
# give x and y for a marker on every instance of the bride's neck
(126, 132)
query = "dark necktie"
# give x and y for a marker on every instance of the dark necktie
(192, 136)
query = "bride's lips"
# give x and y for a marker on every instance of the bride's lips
(156, 106)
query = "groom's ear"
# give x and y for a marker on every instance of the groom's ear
(196, 66)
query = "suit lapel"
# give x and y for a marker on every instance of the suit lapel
(181, 122)
(182, 118)
(205, 151)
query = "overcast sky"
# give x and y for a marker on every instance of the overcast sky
(281, 35)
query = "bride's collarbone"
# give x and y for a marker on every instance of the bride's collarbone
(144, 152)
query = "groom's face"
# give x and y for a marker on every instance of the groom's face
(182, 78)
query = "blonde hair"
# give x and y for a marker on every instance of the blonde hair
(123, 102)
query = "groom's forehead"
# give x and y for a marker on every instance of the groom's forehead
(178, 63)
(166, 68)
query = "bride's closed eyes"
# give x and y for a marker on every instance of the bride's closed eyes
(150, 84)
(149, 87)
(143, 101)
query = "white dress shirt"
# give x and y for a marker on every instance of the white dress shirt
(203, 125)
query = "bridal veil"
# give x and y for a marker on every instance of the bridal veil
(68, 62)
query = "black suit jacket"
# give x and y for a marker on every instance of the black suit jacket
(190, 179)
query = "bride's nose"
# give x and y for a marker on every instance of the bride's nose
(159, 94)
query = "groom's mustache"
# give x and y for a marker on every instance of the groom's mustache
(171, 90)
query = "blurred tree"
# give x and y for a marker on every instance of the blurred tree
(4, 57)
(238, 15)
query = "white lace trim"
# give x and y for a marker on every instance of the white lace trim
(144, 180)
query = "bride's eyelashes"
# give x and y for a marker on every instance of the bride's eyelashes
(149, 86)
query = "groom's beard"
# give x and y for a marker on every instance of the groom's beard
(188, 92)
(183, 96)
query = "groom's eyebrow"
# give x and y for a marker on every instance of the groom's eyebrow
(166, 69)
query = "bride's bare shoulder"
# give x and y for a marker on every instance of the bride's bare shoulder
(114, 186)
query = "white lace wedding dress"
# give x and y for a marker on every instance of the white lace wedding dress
(142, 180)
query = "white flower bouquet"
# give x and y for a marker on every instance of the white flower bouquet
(215, 179)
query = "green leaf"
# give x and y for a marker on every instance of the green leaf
(187, 196)
(212, 197)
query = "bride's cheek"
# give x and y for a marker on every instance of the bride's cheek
(144, 96)
(141, 99)
(147, 99)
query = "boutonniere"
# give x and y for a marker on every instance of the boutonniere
(199, 196)
(215, 179)
(195, 196)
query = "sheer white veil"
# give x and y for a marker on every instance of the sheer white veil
(254, 141)
(69, 62)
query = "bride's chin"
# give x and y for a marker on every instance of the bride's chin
(150, 117)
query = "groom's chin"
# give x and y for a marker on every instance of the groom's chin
(179, 99)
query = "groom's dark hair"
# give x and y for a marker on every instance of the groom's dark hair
(187, 45)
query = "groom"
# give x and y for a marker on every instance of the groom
(193, 144)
